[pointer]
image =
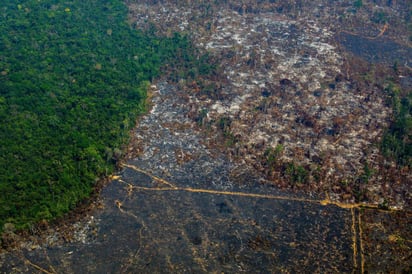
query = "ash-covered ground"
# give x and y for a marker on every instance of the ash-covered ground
(301, 89)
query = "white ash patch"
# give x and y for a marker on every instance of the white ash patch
(312, 112)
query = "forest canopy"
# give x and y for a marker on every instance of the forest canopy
(73, 78)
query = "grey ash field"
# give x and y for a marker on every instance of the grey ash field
(303, 95)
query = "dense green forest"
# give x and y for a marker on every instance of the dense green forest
(73, 78)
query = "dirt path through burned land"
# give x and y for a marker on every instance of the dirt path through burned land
(180, 207)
